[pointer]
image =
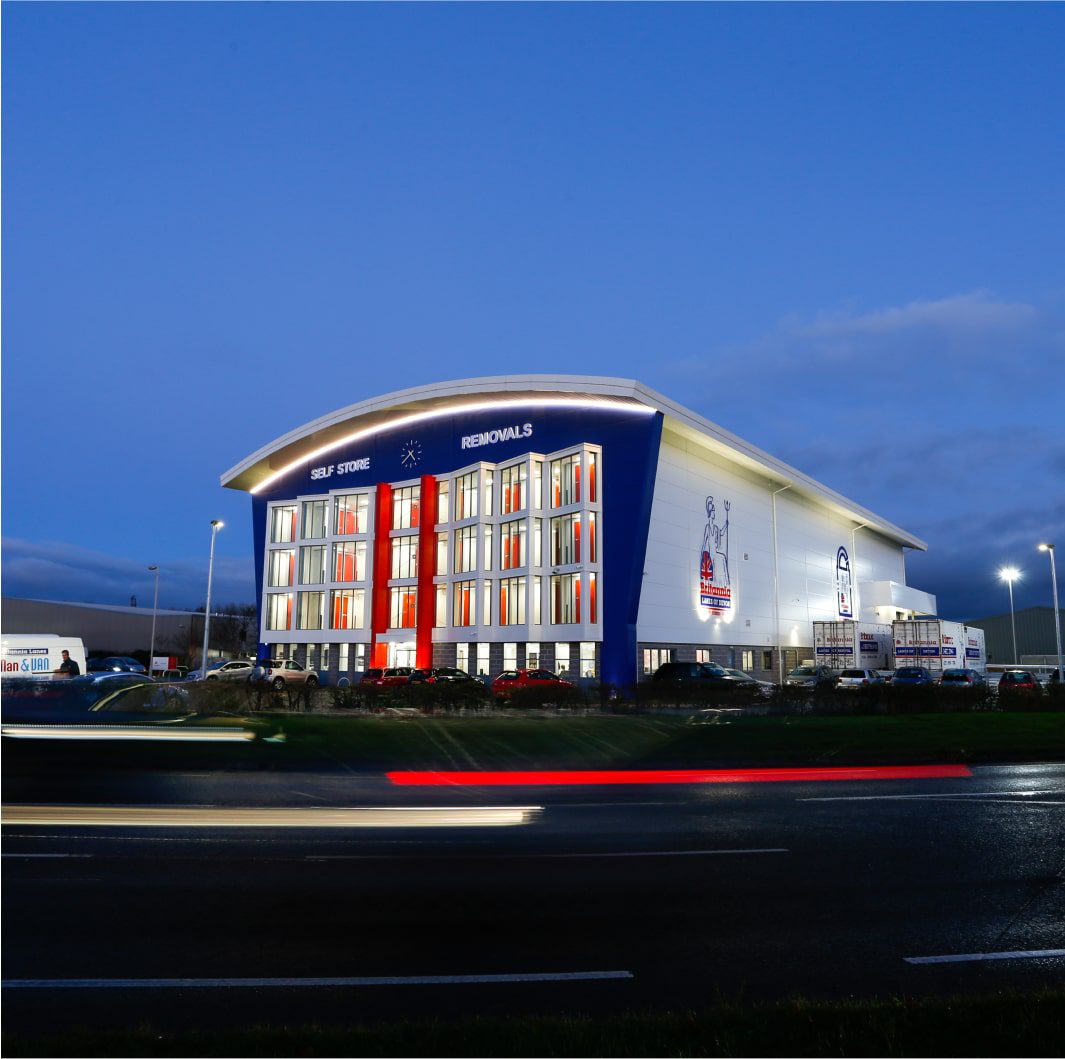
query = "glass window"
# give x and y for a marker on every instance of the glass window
(482, 659)
(512, 603)
(279, 610)
(702, 654)
(747, 661)
(593, 476)
(406, 507)
(465, 549)
(403, 607)
(489, 486)
(513, 486)
(443, 493)
(538, 547)
(462, 657)
(312, 567)
(593, 597)
(593, 538)
(349, 561)
(360, 657)
(767, 659)
(565, 599)
(312, 656)
(348, 609)
(587, 660)
(538, 483)
(510, 656)
(311, 613)
(561, 658)
(440, 616)
(314, 516)
(538, 595)
(566, 480)
(343, 658)
(404, 556)
(281, 568)
(325, 656)
(283, 524)
(487, 548)
(462, 610)
(512, 544)
(486, 606)
(565, 540)
(655, 657)
(532, 655)
(441, 553)
(466, 496)
(350, 514)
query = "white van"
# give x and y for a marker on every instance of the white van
(38, 655)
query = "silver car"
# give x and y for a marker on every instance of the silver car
(230, 671)
(853, 679)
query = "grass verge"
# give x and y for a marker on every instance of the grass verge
(997, 1025)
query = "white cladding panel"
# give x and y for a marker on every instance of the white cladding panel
(677, 602)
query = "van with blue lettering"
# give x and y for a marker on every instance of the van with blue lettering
(39, 655)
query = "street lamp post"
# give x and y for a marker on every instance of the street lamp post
(216, 525)
(1057, 617)
(1009, 574)
(155, 610)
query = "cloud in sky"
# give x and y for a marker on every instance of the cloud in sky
(55, 570)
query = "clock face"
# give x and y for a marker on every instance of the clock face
(410, 453)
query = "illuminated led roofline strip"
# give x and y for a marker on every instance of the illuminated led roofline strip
(450, 410)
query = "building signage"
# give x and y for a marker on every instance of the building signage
(349, 467)
(843, 584)
(868, 644)
(715, 580)
(30, 660)
(493, 437)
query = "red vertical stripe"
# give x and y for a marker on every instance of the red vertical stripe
(381, 556)
(426, 610)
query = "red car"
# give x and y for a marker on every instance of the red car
(512, 680)
(386, 678)
(1018, 680)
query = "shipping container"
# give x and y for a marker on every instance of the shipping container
(852, 645)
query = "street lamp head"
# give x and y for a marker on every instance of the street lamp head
(217, 523)
(1046, 547)
(153, 568)
(1009, 573)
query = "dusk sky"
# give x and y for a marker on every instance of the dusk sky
(837, 231)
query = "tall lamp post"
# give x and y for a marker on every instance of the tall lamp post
(216, 525)
(1009, 574)
(1057, 617)
(155, 609)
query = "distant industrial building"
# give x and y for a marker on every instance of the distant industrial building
(1035, 636)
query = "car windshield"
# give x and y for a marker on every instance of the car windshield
(803, 671)
(910, 672)
(216, 665)
(854, 672)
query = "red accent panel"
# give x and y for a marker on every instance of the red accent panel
(381, 558)
(518, 779)
(423, 654)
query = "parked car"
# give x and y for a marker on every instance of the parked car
(961, 678)
(1018, 681)
(686, 672)
(810, 677)
(442, 675)
(763, 687)
(911, 677)
(372, 678)
(114, 664)
(512, 680)
(855, 679)
(224, 669)
(281, 673)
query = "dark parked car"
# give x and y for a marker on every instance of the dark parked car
(1018, 682)
(687, 672)
(911, 677)
(961, 678)
(114, 664)
(810, 677)
(442, 675)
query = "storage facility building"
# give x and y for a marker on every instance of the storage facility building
(587, 525)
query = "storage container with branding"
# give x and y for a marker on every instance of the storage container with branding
(852, 645)
(938, 645)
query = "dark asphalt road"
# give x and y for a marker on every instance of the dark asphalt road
(697, 892)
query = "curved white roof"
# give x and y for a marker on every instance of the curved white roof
(366, 418)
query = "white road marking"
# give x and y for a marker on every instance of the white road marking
(138, 732)
(259, 983)
(566, 856)
(996, 795)
(972, 957)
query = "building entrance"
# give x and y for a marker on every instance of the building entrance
(401, 654)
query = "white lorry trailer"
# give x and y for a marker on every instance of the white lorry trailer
(38, 654)
(938, 645)
(852, 645)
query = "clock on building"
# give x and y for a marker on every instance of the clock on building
(410, 453)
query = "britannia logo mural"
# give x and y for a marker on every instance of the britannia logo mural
(715, 581)
(843, 584)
